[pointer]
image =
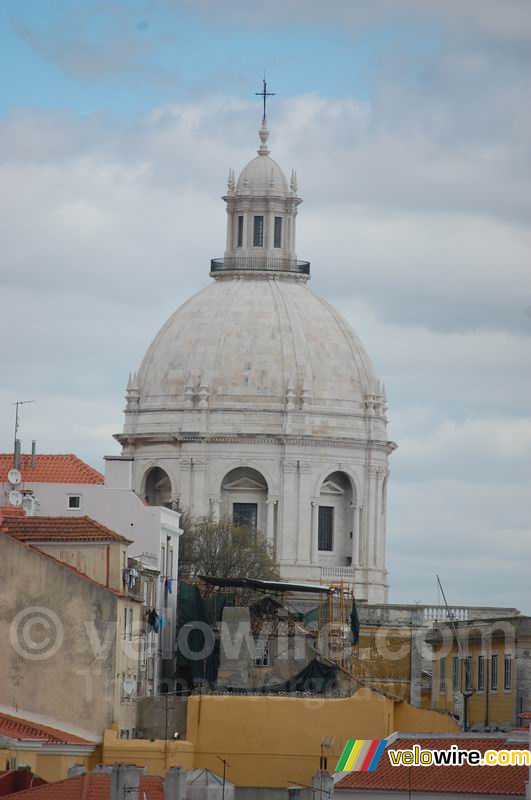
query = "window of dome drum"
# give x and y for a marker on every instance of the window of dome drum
(258, 232)
(244, 515)
(278, 232)
(326, 528)
(240, 232)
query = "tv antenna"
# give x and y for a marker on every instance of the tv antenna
(17, 423)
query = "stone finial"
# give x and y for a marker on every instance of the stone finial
(263, 133)
(231, 185)
(132, 393)
(293, 182)
(290, 395)
(203, 392)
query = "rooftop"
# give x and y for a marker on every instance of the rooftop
(89, 787)
(24, 730)
(51, 468)
(58, 529)
(466, 779)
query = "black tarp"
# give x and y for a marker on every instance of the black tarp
(191, 610)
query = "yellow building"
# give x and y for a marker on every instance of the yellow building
(271, 740)
(482, 671)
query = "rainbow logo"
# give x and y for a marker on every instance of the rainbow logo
(361, 755)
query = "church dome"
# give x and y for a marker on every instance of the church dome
(262, 176)
(258, 345)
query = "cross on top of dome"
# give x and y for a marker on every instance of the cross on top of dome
(265, 94)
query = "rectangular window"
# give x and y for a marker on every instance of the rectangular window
(258, 232)
(481, 673)
(494, 673)
(74, 501)
(468, 673)
(326, 528)
(244, 515)
(239, 238)
(162, 561)
(125, 622)
(455, 673)
(130, 625)
(262, 653)
(442, 676)
(507, 672)
(278, 232)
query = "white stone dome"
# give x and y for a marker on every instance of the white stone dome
(262, 176)
(256, 344)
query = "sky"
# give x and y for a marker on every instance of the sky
(409, 126)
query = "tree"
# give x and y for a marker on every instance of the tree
(221, 549)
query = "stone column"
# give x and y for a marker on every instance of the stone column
(270, 533)
(269, 233)
(215, 508)
(355, 510)
(315, 531)
(230, 230)
(304, 526)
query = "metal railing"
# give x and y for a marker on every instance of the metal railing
(260, 263)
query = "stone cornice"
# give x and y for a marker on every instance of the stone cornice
(272, 439)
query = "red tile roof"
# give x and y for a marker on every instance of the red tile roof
(89, 786)
(480, 780)
(58, 529)
(22, 729)
(51, 468)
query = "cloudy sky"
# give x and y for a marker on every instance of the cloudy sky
(408, 123)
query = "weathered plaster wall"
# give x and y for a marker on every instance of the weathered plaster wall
(71, 686)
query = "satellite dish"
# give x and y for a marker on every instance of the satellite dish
(15, 498)
(14, 477)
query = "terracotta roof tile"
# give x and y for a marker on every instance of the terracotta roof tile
(58, 529)
(51, 468)
(465, 779)
(17, 728)
(89, 786)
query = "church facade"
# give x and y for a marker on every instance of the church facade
(257, 401)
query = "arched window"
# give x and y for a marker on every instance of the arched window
(334, 539)
(158, 488)
(243, 496)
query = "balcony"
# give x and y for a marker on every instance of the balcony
(259, 264)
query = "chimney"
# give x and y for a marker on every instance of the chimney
(125, 782)
(323, 782)
(175, 784)
(75, 770)
(33, 453)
